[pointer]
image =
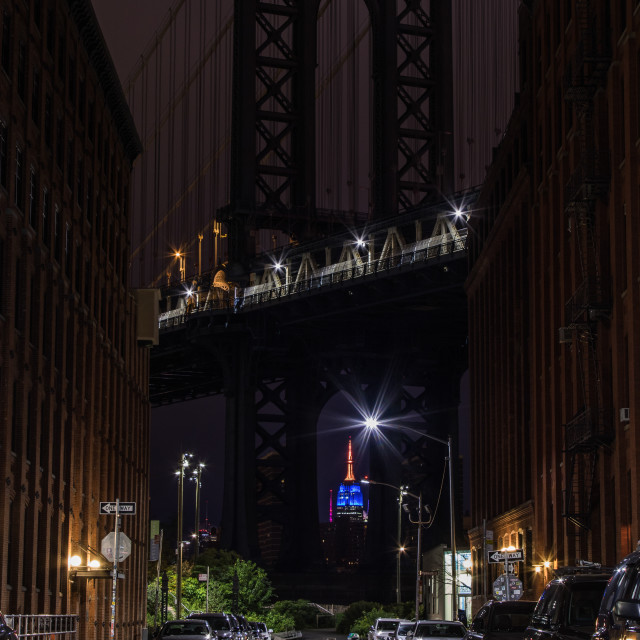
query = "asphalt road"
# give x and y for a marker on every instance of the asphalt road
(323, 634)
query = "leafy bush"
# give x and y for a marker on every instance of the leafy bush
(362, 624)
(279, 621)
(354, 611)
(302, 613)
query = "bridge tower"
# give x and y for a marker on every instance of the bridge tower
(271, 423)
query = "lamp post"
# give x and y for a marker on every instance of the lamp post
(184, 463)
(400, 491)
(197, 477)
(372, 423)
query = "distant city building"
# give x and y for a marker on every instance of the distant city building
(349, 502)
(74, 409)
(343, 536)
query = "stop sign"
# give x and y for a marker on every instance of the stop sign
(109, 543)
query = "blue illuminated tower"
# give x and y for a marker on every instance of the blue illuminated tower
(349, 503)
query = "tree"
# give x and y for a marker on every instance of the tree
(255, 591)
(302, 613)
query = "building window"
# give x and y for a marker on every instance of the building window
(33, 198)
(62, 57)
(89, 210)
(67, 249)
(37, 13)
(57, 240)
(6, 42)
(19, 194)
(59, 143)
(72, 80)
(48, 120)
(82, 99)
(22, 69)
(46, 217)
(3, 154)
(19, 299)
(1, 275)
(70, 164)
(80, 183)
(35, 97)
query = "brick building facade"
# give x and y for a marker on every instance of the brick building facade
(554, 299)
(74, 410)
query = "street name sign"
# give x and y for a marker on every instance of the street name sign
(500, 588)
(126, 508)
(510, 556)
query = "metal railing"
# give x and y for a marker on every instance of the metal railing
(335, 274)
(41, 626)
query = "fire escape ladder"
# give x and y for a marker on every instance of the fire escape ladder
(578, 494)
(591, 427)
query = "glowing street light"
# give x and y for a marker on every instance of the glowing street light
(371, 422)
(184, 463)
(401, 491)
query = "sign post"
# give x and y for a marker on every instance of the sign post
(112, 632)
(121, 546)
(508, 557)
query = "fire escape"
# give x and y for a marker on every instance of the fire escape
(591, 427)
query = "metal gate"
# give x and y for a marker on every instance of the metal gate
(49, 627)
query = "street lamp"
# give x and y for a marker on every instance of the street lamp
(372, 423)
(197, 477)
(184, 463)
(400, 491)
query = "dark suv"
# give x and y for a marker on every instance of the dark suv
(498, 620)
(222, 624)
(619, 612)
(568, 605)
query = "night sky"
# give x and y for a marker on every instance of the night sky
(198, 426)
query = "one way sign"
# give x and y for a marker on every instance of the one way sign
(511, 556)
(125, 509)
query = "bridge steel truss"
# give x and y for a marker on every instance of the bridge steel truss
(395, 330)
(273, 163)
(278, 364)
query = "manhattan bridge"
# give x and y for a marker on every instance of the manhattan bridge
(301, 223)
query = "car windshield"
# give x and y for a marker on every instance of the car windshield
(403, 628)
(387, 625)
(262, 626)
(440, 630)
(218, 624)
(507, 619)
(585, 601)
(194, 628)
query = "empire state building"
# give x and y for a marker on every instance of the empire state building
(349, 501)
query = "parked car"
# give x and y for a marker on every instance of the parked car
(404, 626)
(424, 629)
(383, 628)
(222, 624)
(499, 620)
(6, 632)
(190, 629)
(260, 631)
(619, 612)
(569, 605)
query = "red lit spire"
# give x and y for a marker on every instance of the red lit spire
(350, 477)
